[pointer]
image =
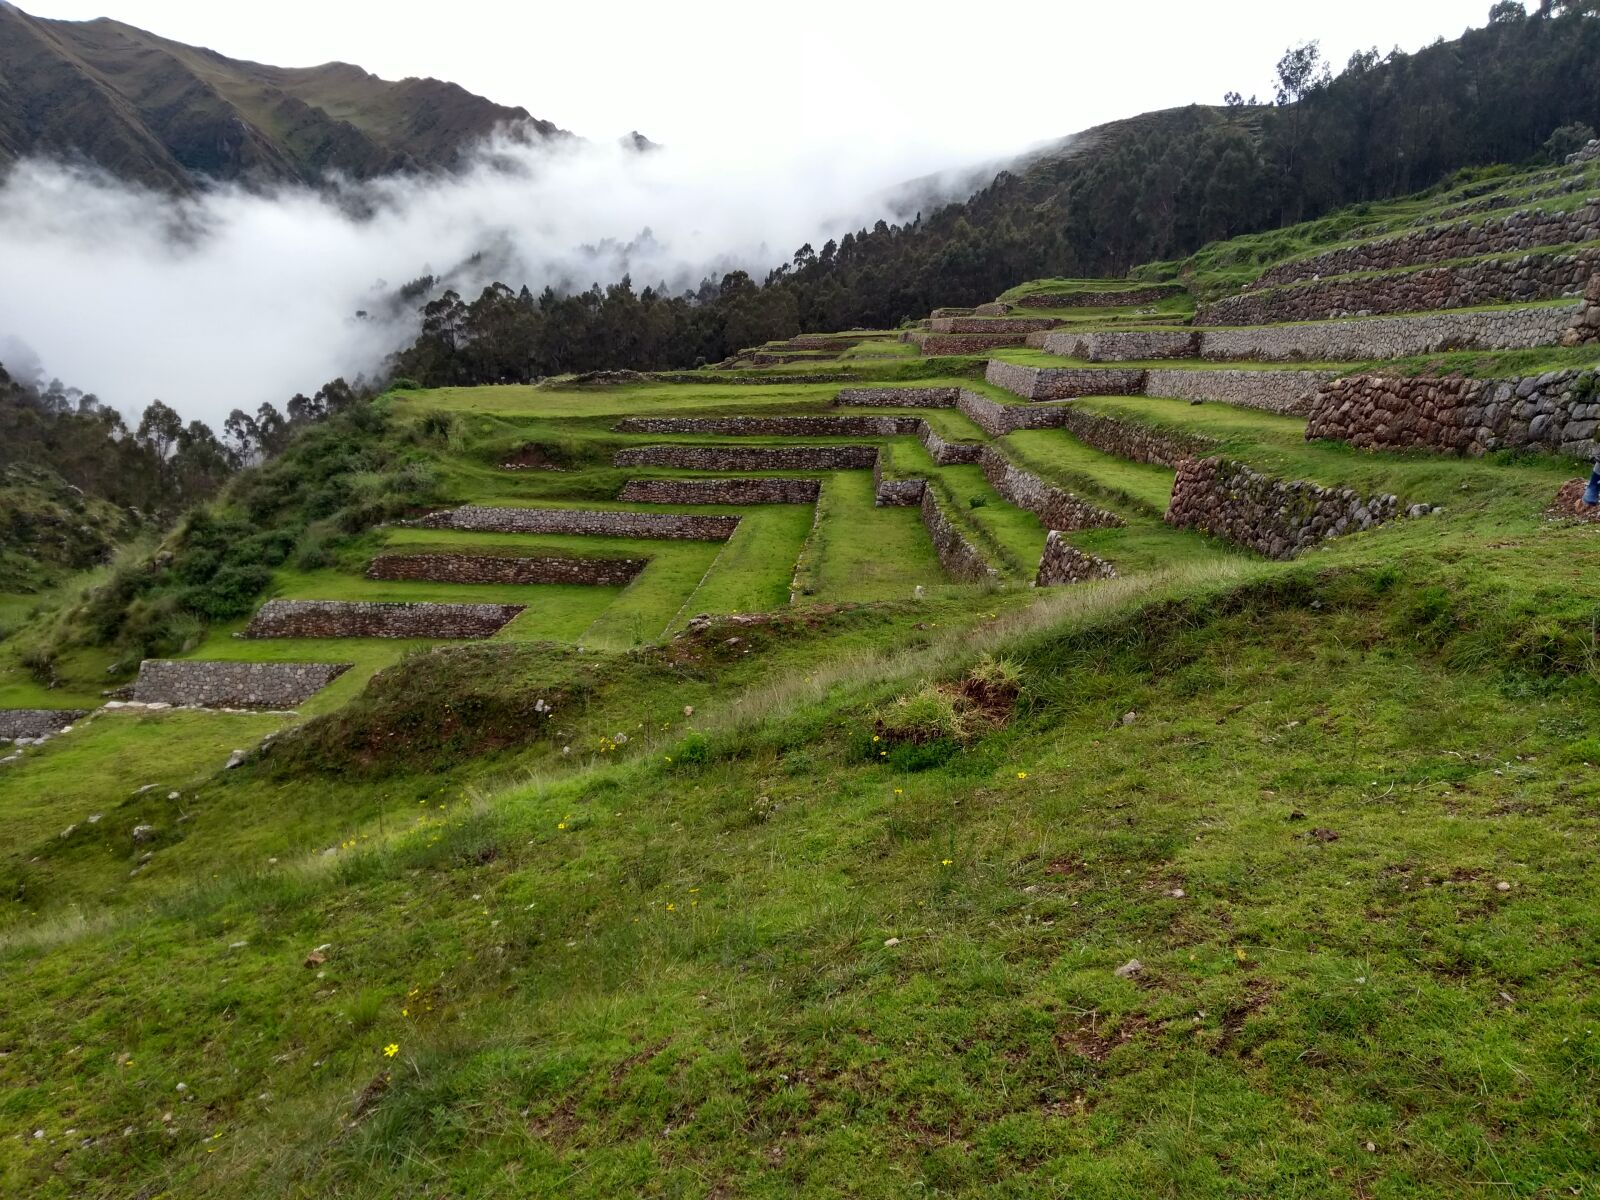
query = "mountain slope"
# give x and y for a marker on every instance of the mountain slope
(169, 115)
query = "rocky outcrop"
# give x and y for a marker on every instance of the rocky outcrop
(367, 619)
(1489, 281)
(215, 684)
(1126, 298)
(497, 568)
(960, 559)
(583, 522)
(750, 458)
(1522, 230)
(1063, 563)
(1271, 516)
(997, 420)
(897, 397)
(30, 723)
(806, 426)
(1056, 507)
(1133, 441)
(722, 491)
(1557, 412)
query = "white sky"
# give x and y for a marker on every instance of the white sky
(944, 81)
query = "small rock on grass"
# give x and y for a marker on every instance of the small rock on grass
(1129, 969)
(891, 941)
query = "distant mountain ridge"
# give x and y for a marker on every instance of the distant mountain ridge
(172, 116)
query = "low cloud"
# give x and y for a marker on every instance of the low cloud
(234, 297)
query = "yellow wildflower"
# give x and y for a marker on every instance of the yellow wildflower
(391, 1049)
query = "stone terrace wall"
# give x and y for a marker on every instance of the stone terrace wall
(1064, 563)
(1519, 231)
(966, 343)
(889, 397)
(1271, 516)
(497, 568)
(1137, 443)
(952, 312)
(351, 618)
(750, 458)
(997, 419)
(895, 493)
(215, 684)
(1056, 507)
(947, 453)
(1064, 383)
(992, 309)
(722, 491)
(992, 324)
(35, 722)
(817, 426)
(959, 557)
(1286, 392)
(1493, 281)
(583, 522)
(1128, 346)
(1394, 337)
(1556, 412)
(1121, 299)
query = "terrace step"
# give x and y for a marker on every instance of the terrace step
(1280, 391)
(582, 522)
(211, 683)
(374, 619)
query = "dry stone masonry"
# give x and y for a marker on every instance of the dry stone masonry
(1273, 391)
(1129, 298)
(1063, 563)
(722, 491)
(991, 324)
(1056, 507)
(960, 559)
(896, 397)
(215, 684)
(1271, 516)
(366, 619)
(1064, 383)
(1506, 235)
(496, 568)
(1134, 345)
(934, 344)
(810, 426)
(584, 522)
(1135, 442)
(997, 420)
(1491, 281)
(30, 723)
(1394, 337)
(947, 453)
(1558, 412)
(750, 458)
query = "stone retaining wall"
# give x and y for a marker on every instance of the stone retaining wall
(583, 522)
(497, 568)
(948, 453)
(890, 397)
(1137, 443)
(1493, 281)
(365, 619)
(1271, 516)
(991, 324)
(952, 312)
(1466, 239)
(807, 426)
(1063, 563)
(36, 722)
(722, 491)
(1126, 346)
(749, 458)
(1394, 337)
(1122, 299)
(992, 309)
(1064, 383)
(933, 344)
(997, 420)
(960, 559)
(1286, 392)
(1557, 412)
(1056, 507)
(216, 684)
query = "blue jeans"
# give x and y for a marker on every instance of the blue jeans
(1591, 494)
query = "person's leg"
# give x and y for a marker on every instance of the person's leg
(1591, 494)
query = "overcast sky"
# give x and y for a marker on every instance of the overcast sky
(962, 80)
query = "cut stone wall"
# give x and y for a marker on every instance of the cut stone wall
(1286, 392)
(1063, 563)
(497, 568)
(966, 343)
(997, 420)
(1522, 230)
(750, 458)
(992, 309)
(1120, 299)
(366, 619)
(1394, 337)
(1125, 346)
(1137, 443)
(809, 426)
(892, 397)
(960, 559)
(991, 324)
(1271, 516)
(948, 453)
(583, 522)
(952, 312)
(214, 684)
(722, 491)
(1064, 383)
(36, 722)
(1492, 281)
(1056, 507)
(1557, 412)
